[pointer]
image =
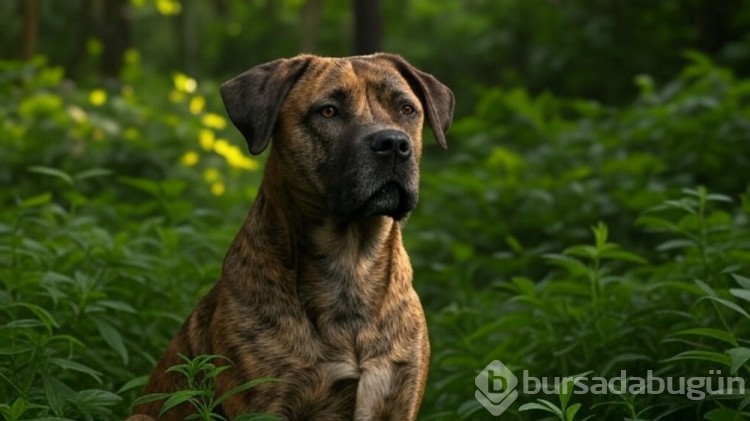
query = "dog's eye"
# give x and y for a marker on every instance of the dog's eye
(407, 109)
(328, 111)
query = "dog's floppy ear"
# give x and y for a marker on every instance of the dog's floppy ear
(253, 99)
(437, 99)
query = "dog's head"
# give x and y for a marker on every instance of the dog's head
(347, 129)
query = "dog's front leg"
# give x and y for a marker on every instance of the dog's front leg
(388, 390)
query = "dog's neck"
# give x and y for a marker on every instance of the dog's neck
(328, 258)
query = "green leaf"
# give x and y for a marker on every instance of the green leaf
(739, 357)
(467, 408)
(721, 335)
(524, 286)
(180, 397)
(724, 414)
(601, 233)
(713, 197)
(135, 383)
(581, 251)
(95, 399)
(72, 365)
(570, 413)
(622, 255)
(15, 411)
(743, 294)
(696, 355)
(707, 290)
(574, 266)
(43, 315)
(57, 394)
(727, 304)
(543, 405)
(743, 281)
(38, 200)
(112, 337)
(91, 173)
(151, 397)
(52, 172)
(675, 244)
(117, 305)
(566, 386)
(514, 244)
(657, 223)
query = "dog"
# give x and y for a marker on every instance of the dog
(316, 288)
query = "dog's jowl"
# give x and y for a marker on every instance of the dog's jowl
(316, 288)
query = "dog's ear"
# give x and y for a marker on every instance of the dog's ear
(437, 99)
(253, 99)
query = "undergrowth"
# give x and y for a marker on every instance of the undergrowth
(562, 237)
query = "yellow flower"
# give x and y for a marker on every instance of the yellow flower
(206, 139)
(214, 121)
(238, 159)
(222, 147)
(196, 104)
(168, 7)
(218, 188)
(211, 175)
(98, 97)
(183, 83)
(190, 158)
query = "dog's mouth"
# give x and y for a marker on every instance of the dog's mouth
(392, 199)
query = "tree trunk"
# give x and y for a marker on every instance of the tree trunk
(310, 25)
(367, 26)
(30, 28)
(115, 36)
(187, 31)
(84, 30)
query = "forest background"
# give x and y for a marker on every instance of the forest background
(591, 214)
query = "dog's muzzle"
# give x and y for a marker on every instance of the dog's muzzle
(379, 176)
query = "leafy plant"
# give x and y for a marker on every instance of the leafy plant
(200, 374)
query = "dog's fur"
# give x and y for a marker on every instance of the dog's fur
(316, 289)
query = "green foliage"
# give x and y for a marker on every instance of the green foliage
(564, 412)
(517, 279)
(201, 374)
(557, 235)
(99, 230)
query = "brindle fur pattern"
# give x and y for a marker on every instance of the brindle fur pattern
(316, 288)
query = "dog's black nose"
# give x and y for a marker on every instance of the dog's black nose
(391, 142)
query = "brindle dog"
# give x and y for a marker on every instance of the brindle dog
(316, 289)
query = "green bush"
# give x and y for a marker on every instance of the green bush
(562, 237)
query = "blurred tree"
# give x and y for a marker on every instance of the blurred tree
(367, 26)
(30, 28)
(714, 20)
(581, 48)
(83, 32)
(188, 33)
(310, 22)
(114, 26)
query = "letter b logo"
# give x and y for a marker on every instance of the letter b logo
(496, 383)
(495, 387)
